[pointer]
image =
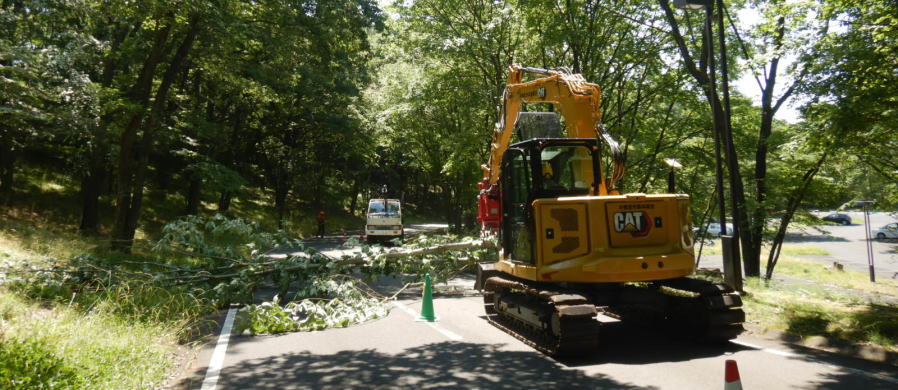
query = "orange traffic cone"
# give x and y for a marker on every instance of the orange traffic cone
(732, 381)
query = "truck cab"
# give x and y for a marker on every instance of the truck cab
(384, 221)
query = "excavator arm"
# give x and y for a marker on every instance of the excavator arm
(577, 100)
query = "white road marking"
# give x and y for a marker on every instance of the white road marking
(820, 362)
(218, 355)
(445, 332)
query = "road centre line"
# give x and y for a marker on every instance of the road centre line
(445, 332)
(826, 364)
(218, 355)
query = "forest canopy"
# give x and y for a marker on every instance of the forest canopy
(210, 106)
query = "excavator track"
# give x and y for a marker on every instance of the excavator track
(713, 316)
(555, 323)
(563, 323)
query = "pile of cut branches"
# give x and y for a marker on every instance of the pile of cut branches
(224, 261)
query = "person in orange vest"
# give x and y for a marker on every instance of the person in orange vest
(321, 224)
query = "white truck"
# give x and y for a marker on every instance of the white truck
(384, 221)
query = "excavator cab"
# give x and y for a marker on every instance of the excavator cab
(542, 168)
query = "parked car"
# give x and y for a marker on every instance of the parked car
(887, 231)
(842, 219)
(714, 229)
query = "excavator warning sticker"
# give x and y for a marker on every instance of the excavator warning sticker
(637, 223)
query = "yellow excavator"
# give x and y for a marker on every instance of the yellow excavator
(577, 257)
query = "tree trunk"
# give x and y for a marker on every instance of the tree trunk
(8, 158)
(122, 235)
(794, 202)
(132, 176)
(95, 181)
(353, 202)
(193, 197)
(723, 129)
(224, 201)
(280, 201)
(768, 110)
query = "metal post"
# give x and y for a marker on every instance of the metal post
(866, 205)
(732, 273)
(869, 243)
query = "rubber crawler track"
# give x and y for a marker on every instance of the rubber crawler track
(569, 330)
(711, 314)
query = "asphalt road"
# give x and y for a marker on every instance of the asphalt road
(462, 350)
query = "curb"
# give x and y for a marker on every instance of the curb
(873, 353)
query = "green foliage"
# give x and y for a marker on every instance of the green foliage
(30, 364)
(216, 260)
(335, 304)
(219, 236)
(333, 298)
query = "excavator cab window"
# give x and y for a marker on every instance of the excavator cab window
(566, 170)
(516, 183)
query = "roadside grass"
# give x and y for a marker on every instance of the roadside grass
(802, 250)
(788, 249)
(816, 310)
(818, 273)
(87, 335)
(61, 347)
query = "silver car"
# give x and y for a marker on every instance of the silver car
(714, 229)
(887, 231)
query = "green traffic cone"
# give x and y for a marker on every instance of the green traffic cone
(427, 313)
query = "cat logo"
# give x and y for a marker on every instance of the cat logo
(637, 223)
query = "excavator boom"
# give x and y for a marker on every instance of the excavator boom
(577, 100)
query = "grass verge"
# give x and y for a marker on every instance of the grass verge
(825, 302)
(714, 248)
(818, 273)
(60, 334)
(815, 310)
(60, 347)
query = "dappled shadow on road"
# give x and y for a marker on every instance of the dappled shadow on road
(846, 372)
(632, 344)
(446, 365)
(850, 381)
